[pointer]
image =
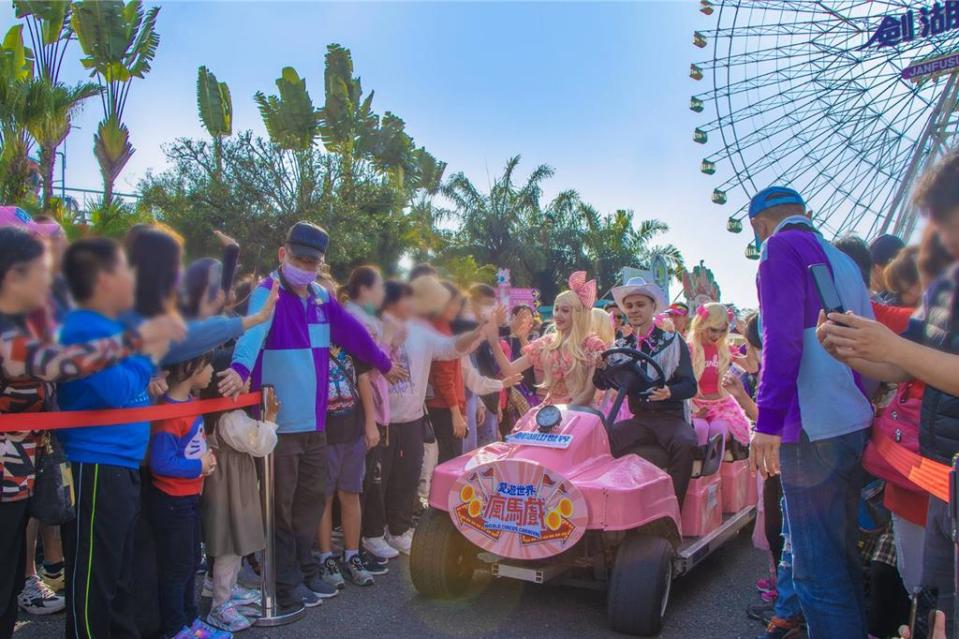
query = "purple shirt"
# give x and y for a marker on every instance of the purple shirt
(803, 389)
(291, 352)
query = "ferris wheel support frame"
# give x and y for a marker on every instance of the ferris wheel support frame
(902, 215)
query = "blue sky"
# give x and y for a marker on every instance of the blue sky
(599, 91)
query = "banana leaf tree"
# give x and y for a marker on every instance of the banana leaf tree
(291, 122)
(119, 42)
(216, 112)
(348, 126)
(48, 24)
(53, 108)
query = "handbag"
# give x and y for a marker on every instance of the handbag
(429, 435)
(53, 501)
(900, 423)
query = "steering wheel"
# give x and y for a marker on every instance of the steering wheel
(629, 373)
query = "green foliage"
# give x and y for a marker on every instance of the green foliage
(541, 243)
(113, 219)
(347, 121)
(49, 121)
(290, 119)
(119, 42)
(463, 270)
(214, 104)
(17, 173)
(48, 22)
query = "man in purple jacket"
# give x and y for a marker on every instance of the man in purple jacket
(814, 413)
(291, 353)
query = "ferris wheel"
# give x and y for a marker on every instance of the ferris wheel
(846, 101)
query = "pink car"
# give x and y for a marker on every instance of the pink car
(551, 504)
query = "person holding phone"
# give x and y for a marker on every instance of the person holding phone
(929, 352)
(814, 414)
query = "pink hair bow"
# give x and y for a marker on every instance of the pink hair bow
(585, 290)
(703, 313)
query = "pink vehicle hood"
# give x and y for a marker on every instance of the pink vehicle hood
(620, 494)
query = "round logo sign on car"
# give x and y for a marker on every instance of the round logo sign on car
(517, 509)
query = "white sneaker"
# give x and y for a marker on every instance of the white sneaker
(402, 542)
(378, 546)
(38, 599)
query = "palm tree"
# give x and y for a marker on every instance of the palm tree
(119, 42)
(494, 225)
(291, 122)
(614, 242)
(216, 112)
(54, 106)
(16, 72)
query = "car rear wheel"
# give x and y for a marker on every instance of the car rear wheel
(640, 585)
(442, 561)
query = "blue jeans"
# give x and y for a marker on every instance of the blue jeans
(821, 485)
(787, 601)
(483, 433)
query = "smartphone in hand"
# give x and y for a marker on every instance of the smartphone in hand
(826, 288)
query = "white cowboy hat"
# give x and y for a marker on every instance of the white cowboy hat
(639, 286)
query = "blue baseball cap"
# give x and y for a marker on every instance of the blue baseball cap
(770, 197)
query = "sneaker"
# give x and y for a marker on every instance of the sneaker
(320, 587)
(38, 599)
(357, 572)
(53, 578)
(227, 617)
(769, 596)
(373, 564)
(401, 543)
(241, 596)
(761, 612)
(201, 630)
(251, 611)
(299, 595)
(378, 546)
(331, 573)
(765, 585)
(782, 629)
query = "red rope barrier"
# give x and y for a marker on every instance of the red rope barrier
(928, 474)
(110, 417)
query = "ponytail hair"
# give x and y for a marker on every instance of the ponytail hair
(364, 276)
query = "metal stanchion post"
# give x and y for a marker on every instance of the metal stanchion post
(954, 512)
(272, 614)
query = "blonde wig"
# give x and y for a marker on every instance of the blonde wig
(601, 325)
(712, 315)
(570, 344)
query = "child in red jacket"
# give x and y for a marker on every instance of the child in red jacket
(179, 460)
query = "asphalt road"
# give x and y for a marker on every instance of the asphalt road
(706, 604)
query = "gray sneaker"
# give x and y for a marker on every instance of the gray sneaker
(320, 587)
(357, 572)
(331, 573)
(299, 595)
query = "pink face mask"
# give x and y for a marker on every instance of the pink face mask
(297, 277)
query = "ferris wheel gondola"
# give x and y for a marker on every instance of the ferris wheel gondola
(847, 101)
